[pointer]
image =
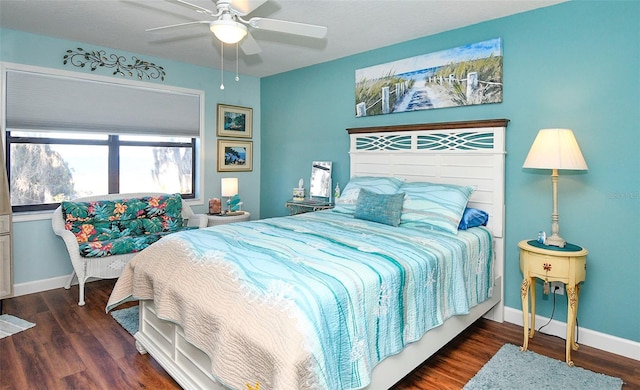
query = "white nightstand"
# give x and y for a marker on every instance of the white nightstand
(222, 219)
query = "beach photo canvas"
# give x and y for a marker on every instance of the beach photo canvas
(462, 76)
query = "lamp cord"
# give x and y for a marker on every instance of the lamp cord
(553, 310)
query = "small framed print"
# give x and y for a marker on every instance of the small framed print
(235, 156)
(234, 121)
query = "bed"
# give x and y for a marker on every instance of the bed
(334, 300)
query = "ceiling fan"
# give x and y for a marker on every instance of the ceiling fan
(229, 26)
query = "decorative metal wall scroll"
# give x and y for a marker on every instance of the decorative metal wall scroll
(96, 59)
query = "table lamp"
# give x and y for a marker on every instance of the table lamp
(229, 187)
(555, 149)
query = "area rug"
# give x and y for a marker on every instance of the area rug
(511, 368)
(128, 318)
(11, 325)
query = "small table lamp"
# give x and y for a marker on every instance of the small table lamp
(555, 149)
(229, 187)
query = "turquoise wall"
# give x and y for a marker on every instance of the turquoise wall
(49, 258)
(573, 65)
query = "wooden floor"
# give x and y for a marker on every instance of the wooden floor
(74, 347)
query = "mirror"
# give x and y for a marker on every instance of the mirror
(320, 179)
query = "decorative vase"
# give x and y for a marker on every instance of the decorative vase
(214, 206)
(298, 194)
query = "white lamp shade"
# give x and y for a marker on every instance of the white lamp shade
(229, 186)
(555, 149)
(228, 31)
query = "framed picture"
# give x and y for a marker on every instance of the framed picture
(235, 156)
(234, 121)
(462, 76)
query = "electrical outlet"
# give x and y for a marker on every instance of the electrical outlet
(557, 288)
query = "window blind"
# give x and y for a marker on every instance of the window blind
(39, 101)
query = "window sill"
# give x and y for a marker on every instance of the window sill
(28, 216)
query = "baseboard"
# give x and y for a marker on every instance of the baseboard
(40, 285)
(603, 341)
(43, 285)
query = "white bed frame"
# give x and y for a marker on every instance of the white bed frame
(470, 153)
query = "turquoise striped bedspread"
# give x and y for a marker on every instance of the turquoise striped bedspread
(367, 288)
(357, 291)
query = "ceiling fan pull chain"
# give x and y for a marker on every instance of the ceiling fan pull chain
(221, 65)
(237, 75)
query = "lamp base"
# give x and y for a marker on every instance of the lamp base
(555, 240)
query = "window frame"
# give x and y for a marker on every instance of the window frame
(113, 144)
(198, 158)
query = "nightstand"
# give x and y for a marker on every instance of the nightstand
(307, 205)
(222, 219)
(551, 264)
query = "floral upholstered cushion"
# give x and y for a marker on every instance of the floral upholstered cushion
(110, 227)
(119, 246)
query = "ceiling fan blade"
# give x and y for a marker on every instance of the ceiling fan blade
(250, 46)
(245, 7)
(196, 8)
(309, 30)
(177, 25)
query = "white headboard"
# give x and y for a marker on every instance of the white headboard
(464, 153)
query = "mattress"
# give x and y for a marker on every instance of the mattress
(312, 301)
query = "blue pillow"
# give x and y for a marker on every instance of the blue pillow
(346, 203)
(379, 208)
(434, 206)
(473, 218)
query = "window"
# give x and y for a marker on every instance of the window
(71, 135)
(46, 168)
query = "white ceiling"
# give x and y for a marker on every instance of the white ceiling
(354, 26)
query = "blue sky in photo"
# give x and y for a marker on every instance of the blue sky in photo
(468, 52)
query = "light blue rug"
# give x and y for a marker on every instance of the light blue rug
(128, 318)
(11, 325)
(511, 368)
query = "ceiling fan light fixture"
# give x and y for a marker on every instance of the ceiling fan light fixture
(228, 31)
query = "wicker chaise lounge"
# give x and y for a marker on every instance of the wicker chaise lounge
(101, 235)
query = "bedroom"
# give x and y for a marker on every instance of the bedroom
(561, 68)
